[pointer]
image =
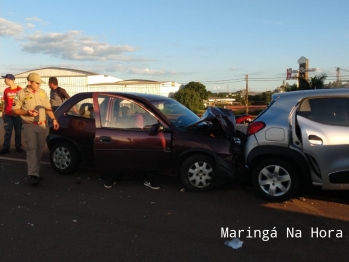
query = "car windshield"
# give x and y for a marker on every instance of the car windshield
(178, 114)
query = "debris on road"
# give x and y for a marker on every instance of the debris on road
(234, 243)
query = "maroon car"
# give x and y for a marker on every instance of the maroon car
(134, 132)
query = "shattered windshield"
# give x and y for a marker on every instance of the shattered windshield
(178, 114)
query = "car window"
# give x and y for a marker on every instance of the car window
(84, 109)
(178, 114)
(331, 111)
(124, 114)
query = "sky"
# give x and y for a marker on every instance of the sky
(214, 42)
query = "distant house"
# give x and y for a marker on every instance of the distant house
(76, 81)
(212, 101)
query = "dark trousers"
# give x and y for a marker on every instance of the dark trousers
(10, 123)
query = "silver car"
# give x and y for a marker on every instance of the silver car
(301, 138)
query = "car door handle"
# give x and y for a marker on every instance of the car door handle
(105, 139)
(315, 140)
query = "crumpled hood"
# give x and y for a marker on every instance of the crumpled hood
(220, 117)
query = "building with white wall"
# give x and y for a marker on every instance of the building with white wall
(76, 81)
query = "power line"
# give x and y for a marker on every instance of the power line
(261, 79)
(265, 79)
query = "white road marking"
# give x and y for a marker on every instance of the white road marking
(21, 160)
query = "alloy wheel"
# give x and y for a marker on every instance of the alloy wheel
(200, 174)
(274, 180)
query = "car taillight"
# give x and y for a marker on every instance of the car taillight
(255, 127)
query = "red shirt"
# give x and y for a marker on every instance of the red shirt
(9, 94)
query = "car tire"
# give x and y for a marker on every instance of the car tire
(64, 158)
(275, 180)
(196, 173)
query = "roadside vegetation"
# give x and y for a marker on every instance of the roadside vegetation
(193, 94)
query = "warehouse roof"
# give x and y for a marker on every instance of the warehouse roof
(56, 71)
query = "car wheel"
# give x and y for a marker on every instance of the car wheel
(64, 158)
(197, 172)
(275, 180)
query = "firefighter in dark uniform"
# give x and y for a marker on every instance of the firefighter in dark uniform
(32, 104)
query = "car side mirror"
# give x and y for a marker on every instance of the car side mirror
(156, 128)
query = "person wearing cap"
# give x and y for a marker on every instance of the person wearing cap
(11, 121)
(32, 104)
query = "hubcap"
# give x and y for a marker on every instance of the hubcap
(61, 158)
(274, 180)
(200, 174)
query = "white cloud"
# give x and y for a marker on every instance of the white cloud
(34, 19)
(74, 46)
(140, 71)
(8, 28)
(147, 71)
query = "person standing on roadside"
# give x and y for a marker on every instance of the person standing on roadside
(57, 93)
(32, 104)
(11, 121)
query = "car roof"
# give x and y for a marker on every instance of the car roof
(297, 95)
(282, 103)
(149, 97)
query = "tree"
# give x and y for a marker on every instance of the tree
(303, 84)
(238, 97)
(283, 87)
(291, 88)
(199, 88)
(317, 82)
(337, 84)
(261, 99)
(192, 96)
(267, 96)
(189, 98)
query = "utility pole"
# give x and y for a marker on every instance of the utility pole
(246, 78)
(338, 72)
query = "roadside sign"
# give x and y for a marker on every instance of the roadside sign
(288, 73)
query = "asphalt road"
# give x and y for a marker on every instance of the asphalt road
(74, 218)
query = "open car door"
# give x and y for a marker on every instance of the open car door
(128, 137)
